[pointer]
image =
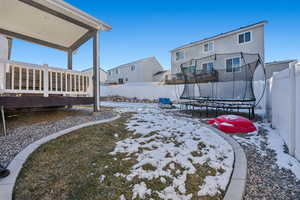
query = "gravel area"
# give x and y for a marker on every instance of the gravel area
(266, 180)
(20, 137)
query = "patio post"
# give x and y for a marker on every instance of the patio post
(70, 59)
(96, 64)
(70, 67)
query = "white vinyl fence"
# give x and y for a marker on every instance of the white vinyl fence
(284, 99)
(143, 91)
(155, 90)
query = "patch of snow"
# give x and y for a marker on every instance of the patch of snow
(163, 180)
(116, 135)
(227, 124)
(284, 160)
(122, 197)
(231, 117)
(274, 142)
(140, 190)
(101, 178)
(165, 134)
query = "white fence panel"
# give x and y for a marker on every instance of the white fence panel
(297, 129)
(285, 98)
(143, 91)
(281, 109)
(155, 91)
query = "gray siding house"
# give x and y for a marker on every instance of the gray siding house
(247, 39)
(102, 74)
(277, 66)
(137, 71)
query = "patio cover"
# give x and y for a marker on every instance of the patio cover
(52, 23)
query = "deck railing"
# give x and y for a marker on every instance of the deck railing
(23, 78)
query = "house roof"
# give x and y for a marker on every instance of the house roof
(160, 72)
(281, 62)
(91, 68)
(52, 23)
(134, 62)
(243, 28)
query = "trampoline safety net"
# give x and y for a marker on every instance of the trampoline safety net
(221, 77)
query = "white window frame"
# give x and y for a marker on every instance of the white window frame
(207, 43)
(231, 58)
(183, 53)
(132, 68)
(243, 33)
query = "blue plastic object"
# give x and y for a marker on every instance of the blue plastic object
(165, 101)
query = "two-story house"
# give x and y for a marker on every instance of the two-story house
(247, 39)
(138, 71)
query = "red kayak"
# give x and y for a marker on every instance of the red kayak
(233, 124)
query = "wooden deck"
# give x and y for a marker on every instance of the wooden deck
(40, 101)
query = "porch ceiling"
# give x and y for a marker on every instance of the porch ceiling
(51, 23)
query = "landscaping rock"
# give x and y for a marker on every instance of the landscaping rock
(19, 138)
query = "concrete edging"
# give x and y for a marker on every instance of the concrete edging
(7, 184)
(237, 184)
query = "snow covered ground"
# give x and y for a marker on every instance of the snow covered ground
(176, 150)
(274, 142)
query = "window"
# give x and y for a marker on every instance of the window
(126, 79)
(208, 67)
(244, 37)
(208, 47)
(233, 65)
(109, 73)
(132, 67)
(117, 71)
(179, 55)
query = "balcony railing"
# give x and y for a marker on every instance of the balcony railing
(23, 78)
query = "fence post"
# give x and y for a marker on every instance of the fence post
(292, 76)
(268, 99)
(46, 81)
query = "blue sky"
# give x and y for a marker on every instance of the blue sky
(152, 28)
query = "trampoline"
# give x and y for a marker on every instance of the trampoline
(222, 82)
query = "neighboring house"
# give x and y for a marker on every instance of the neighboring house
(102, 74)
(137, 71)
(247, 39)
(161, 76)
(277, 66)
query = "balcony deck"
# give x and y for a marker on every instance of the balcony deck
(24, 85)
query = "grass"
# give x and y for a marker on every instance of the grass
(78, 166)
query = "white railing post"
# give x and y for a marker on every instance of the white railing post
(12, 77)
(66, 82)
(61, 81)
(56, 87)
(33, 79)
(40, 79)
(46, 81)
(27, 79)
(20, 78)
